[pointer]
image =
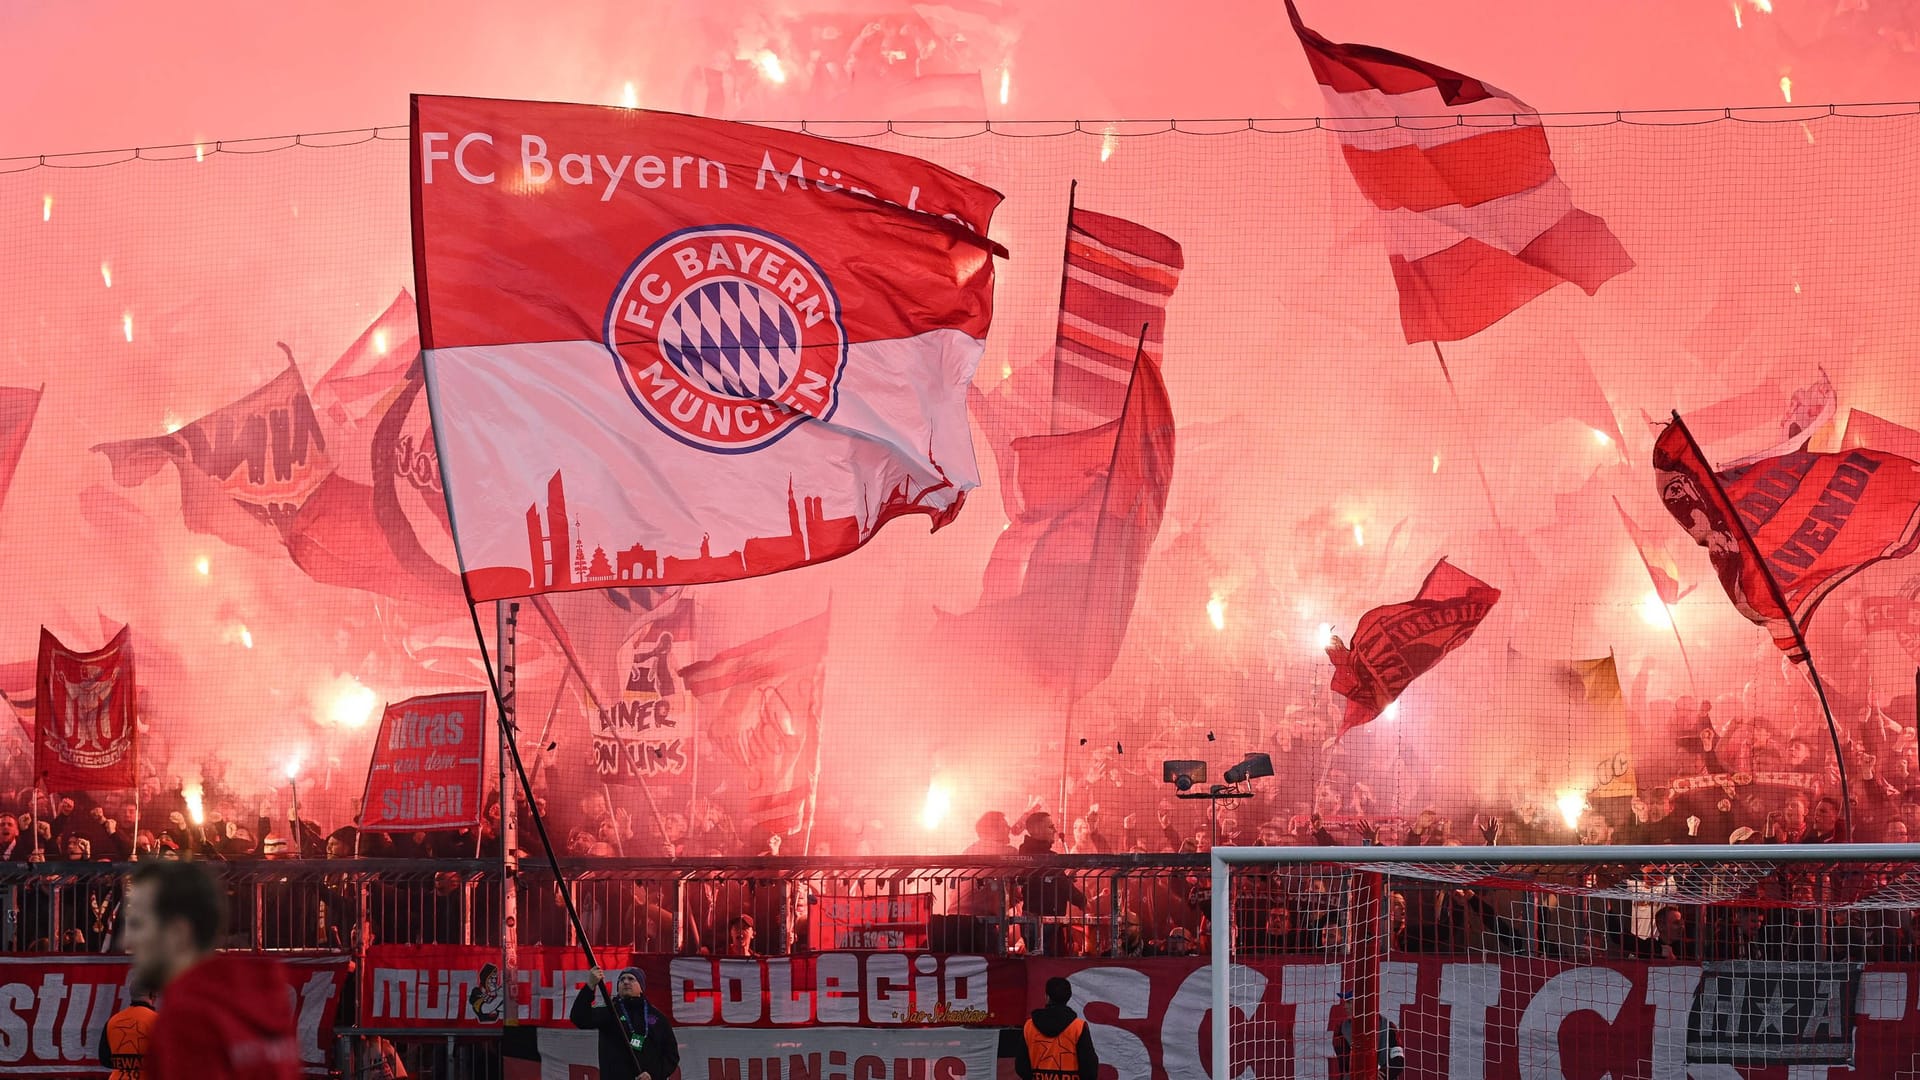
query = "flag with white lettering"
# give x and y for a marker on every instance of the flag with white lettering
(427, 771)
(1397, 643)
(1810, 522)
(1478, 220)
(687, 350)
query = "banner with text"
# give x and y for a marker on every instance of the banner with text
(870, 922)
(1458, 1017)
(426, 771)
(54, 1008)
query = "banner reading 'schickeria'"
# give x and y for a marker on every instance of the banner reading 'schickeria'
(697, 350)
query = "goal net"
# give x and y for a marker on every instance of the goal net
(1543, 963)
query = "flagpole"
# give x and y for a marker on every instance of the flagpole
(1066, 248)
(1780, 598)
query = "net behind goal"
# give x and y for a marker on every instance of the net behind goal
(1634, 963)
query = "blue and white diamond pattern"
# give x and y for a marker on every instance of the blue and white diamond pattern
(734, 338)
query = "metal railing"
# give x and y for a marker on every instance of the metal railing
(1064, 905)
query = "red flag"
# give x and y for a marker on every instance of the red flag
(1660, 563)
(85, 713)
(1479, 220)
(17, 407)
(245, 470)
(1867, 430)
(1093, 523)
(427, 770)
(378, 360)
(364, 536)
(760, 706)
(1118, 277)
(1818, 518)
(1055, 483)
(789, 358)
(1396, 644)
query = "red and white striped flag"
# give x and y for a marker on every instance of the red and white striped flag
(1478, 220)
(1118, 278)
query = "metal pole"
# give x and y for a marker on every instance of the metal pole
(506, 622)
(1221, 948)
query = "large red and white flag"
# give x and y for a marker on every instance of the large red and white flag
(1397, 643)
(85, 716)
(1805, 523)
(17, 408)
(695, 350)
(760, 704)
(1117, 279)
(1478, 220)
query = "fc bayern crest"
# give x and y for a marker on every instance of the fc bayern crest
(727, 337)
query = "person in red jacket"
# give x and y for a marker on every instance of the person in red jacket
(222, 1017)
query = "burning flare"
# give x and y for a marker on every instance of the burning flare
(1217, 611)
(106, 274)
(939, 801)
(770, 66)
(1654, 611)
(347, 703)
(1006, 85)
(629, 99)
(1571, 804)
(195, 812)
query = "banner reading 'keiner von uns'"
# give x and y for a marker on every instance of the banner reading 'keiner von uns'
(697, 350)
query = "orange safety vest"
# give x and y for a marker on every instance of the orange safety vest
(1056, 1057)
(127, 1034)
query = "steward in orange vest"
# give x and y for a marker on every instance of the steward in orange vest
(1057, 1045)
(123, 1044)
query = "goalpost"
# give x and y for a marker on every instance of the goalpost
(1501, 963)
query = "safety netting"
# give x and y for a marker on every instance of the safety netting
(226, 451)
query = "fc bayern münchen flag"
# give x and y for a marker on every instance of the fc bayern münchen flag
(663, 350)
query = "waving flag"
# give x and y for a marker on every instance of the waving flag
(699, 350)
(17, 407)
(1091, 505)
(761, 703)
(85, 716)
(1479, 221)
(1396, 644)
(1867, 430)
(1662, 569)
(245, 469)
(1118, 278)
(1807, 410)
(1806, 521)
